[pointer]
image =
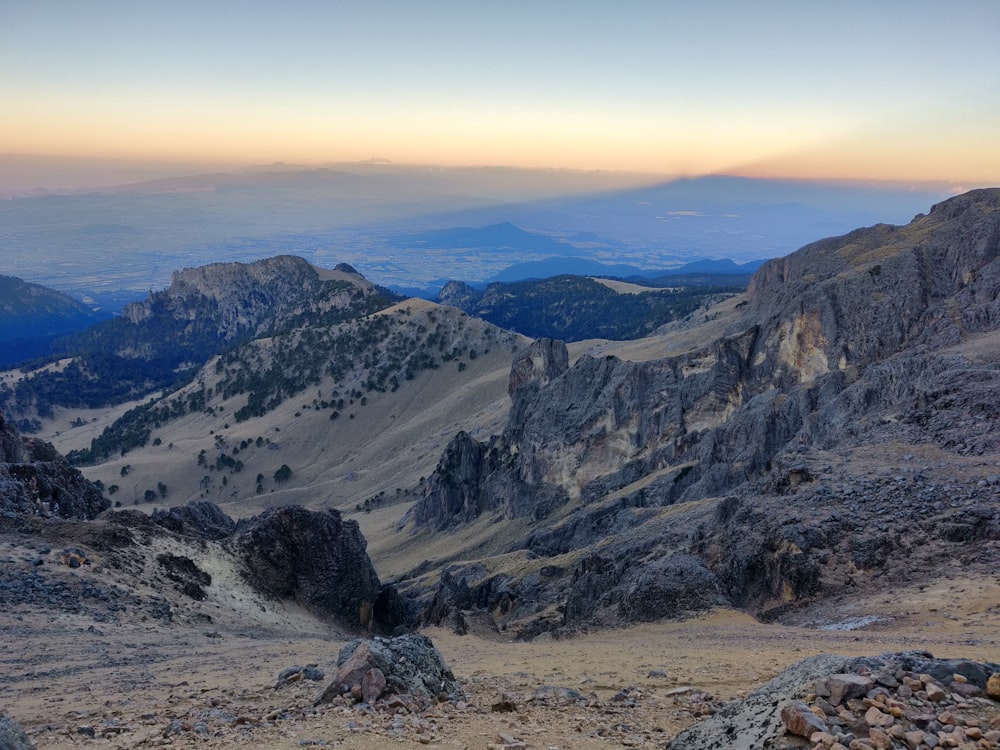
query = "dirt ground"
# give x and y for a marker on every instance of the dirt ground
(71, 681)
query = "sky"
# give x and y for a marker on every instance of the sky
(890, 90)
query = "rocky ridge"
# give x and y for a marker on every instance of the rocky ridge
(158, 567)
(883, 336)
(36, 480)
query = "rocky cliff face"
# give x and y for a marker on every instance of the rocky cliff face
(850, 341)
(36, 480)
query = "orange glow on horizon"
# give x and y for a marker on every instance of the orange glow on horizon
(524, 140)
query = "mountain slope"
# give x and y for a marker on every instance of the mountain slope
(32, 316)
(356, 411)
(883, 336)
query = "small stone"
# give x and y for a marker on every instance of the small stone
(880, 739)
(822, 738)
(965, 689)
(842, 687)
(801, 721)
(993, 686)
(372, 685)
(914, 739)
(876, 718)
(886, 680)
(935, 693)
(825, 706)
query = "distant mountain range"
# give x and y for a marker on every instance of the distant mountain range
(574, 308)
(414, 227)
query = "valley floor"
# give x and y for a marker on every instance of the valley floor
(73, 680)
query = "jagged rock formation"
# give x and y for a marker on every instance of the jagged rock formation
(36, 480)
(848, 341)
(319, 561)
(236, 299)
(316, 560)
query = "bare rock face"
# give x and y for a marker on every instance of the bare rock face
(408, 666)
(319, 561)
(36, 480)
(670, 587)
(454, 494)
(198, 518)
(235, 297)
(543, 362)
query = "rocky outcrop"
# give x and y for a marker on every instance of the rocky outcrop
(894, 700)
(668, 587)
(36, 480)
(318, 560)
(198, 518)
(240, 298)
(458, 294)
(816, 322)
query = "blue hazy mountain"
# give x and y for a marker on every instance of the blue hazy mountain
(542, 269)
(33, 316)
(496, 238)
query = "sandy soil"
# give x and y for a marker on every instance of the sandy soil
(139, 684)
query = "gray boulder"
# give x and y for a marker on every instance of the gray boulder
(408, 665)
(318, 560)
(12, 737)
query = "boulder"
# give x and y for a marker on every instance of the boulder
(12, 737)
(800, 721)
(408, 665)
(318, 560)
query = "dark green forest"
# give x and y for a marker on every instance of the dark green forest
(574, 308)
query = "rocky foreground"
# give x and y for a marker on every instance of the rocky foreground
(907, 700)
